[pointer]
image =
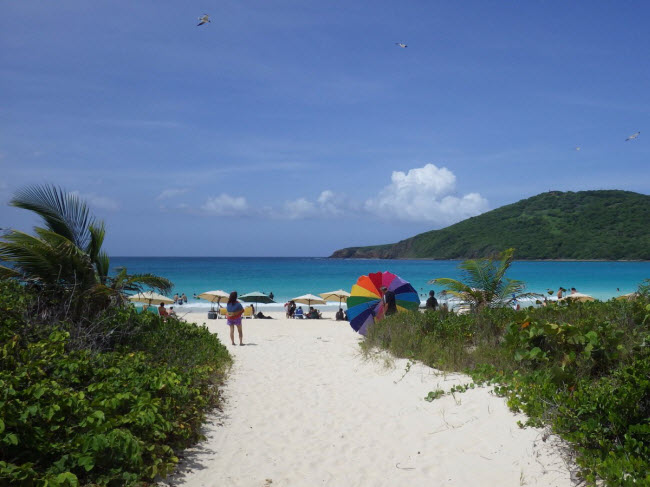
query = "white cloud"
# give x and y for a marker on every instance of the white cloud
(425, 194)
(300, 208)
(328, 204)
(224, 204)
(170, 193)
(97, 201)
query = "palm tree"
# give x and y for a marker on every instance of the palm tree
(64, 260)
(485, 284)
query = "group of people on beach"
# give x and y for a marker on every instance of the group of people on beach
(561, 291)
(180, 299)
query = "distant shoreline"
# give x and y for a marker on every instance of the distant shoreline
(356, 258)
(467, 258)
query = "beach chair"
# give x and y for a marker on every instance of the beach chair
(248, 312)
(222, 313)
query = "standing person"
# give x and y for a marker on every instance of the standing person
(271, 295)
(390, 305)
(432, 302)
(175, 298)
(234, 310)
(184, 298)
(559, 292)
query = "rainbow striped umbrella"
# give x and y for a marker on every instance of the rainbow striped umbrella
(365, 303)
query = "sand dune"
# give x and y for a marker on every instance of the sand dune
(303, 408)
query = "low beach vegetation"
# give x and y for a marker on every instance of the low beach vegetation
(581, 369)
(92, 392)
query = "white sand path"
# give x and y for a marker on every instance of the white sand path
(303, 408)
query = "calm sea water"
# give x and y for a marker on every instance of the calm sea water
(291, 277)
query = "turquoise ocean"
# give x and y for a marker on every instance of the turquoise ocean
(288, 277)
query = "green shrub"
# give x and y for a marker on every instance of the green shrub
(71, 416)
(582, 368)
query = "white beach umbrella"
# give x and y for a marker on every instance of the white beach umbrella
(577, 297)
(309, 299)
(150, 298)
(214, 296)
(628, 296)
(339, 296)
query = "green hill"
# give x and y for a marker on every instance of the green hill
(607, 225)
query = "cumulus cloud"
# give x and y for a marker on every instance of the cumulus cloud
(97, 201)
(170, 193)
(225, 204)
(425, 194)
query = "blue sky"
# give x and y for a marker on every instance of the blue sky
(294, 128)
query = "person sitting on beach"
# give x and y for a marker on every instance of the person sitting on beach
(171, 311)
(162, 311)
(262, 316)
(432, 302)
(298, 314)
(313, 313)
(573, 290)
(339, 315)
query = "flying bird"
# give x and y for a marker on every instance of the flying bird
(633, 136)
(577, 148)
(204, 20)
(400, 44)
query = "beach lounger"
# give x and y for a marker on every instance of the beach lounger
(248, 312)
(223, 313)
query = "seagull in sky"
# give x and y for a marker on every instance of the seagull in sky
(402, 45)
(633, 136)
(204, 20)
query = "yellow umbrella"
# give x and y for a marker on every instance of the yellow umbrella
(339, 296)
(577, 297)
(150, 298)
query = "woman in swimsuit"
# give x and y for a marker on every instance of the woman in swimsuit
(234, 310)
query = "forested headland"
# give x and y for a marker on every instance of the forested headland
(583, 225)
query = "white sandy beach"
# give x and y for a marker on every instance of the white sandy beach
(303, 408)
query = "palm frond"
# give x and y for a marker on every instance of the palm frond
(63, 213)
(136, 282)
(8, 273)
